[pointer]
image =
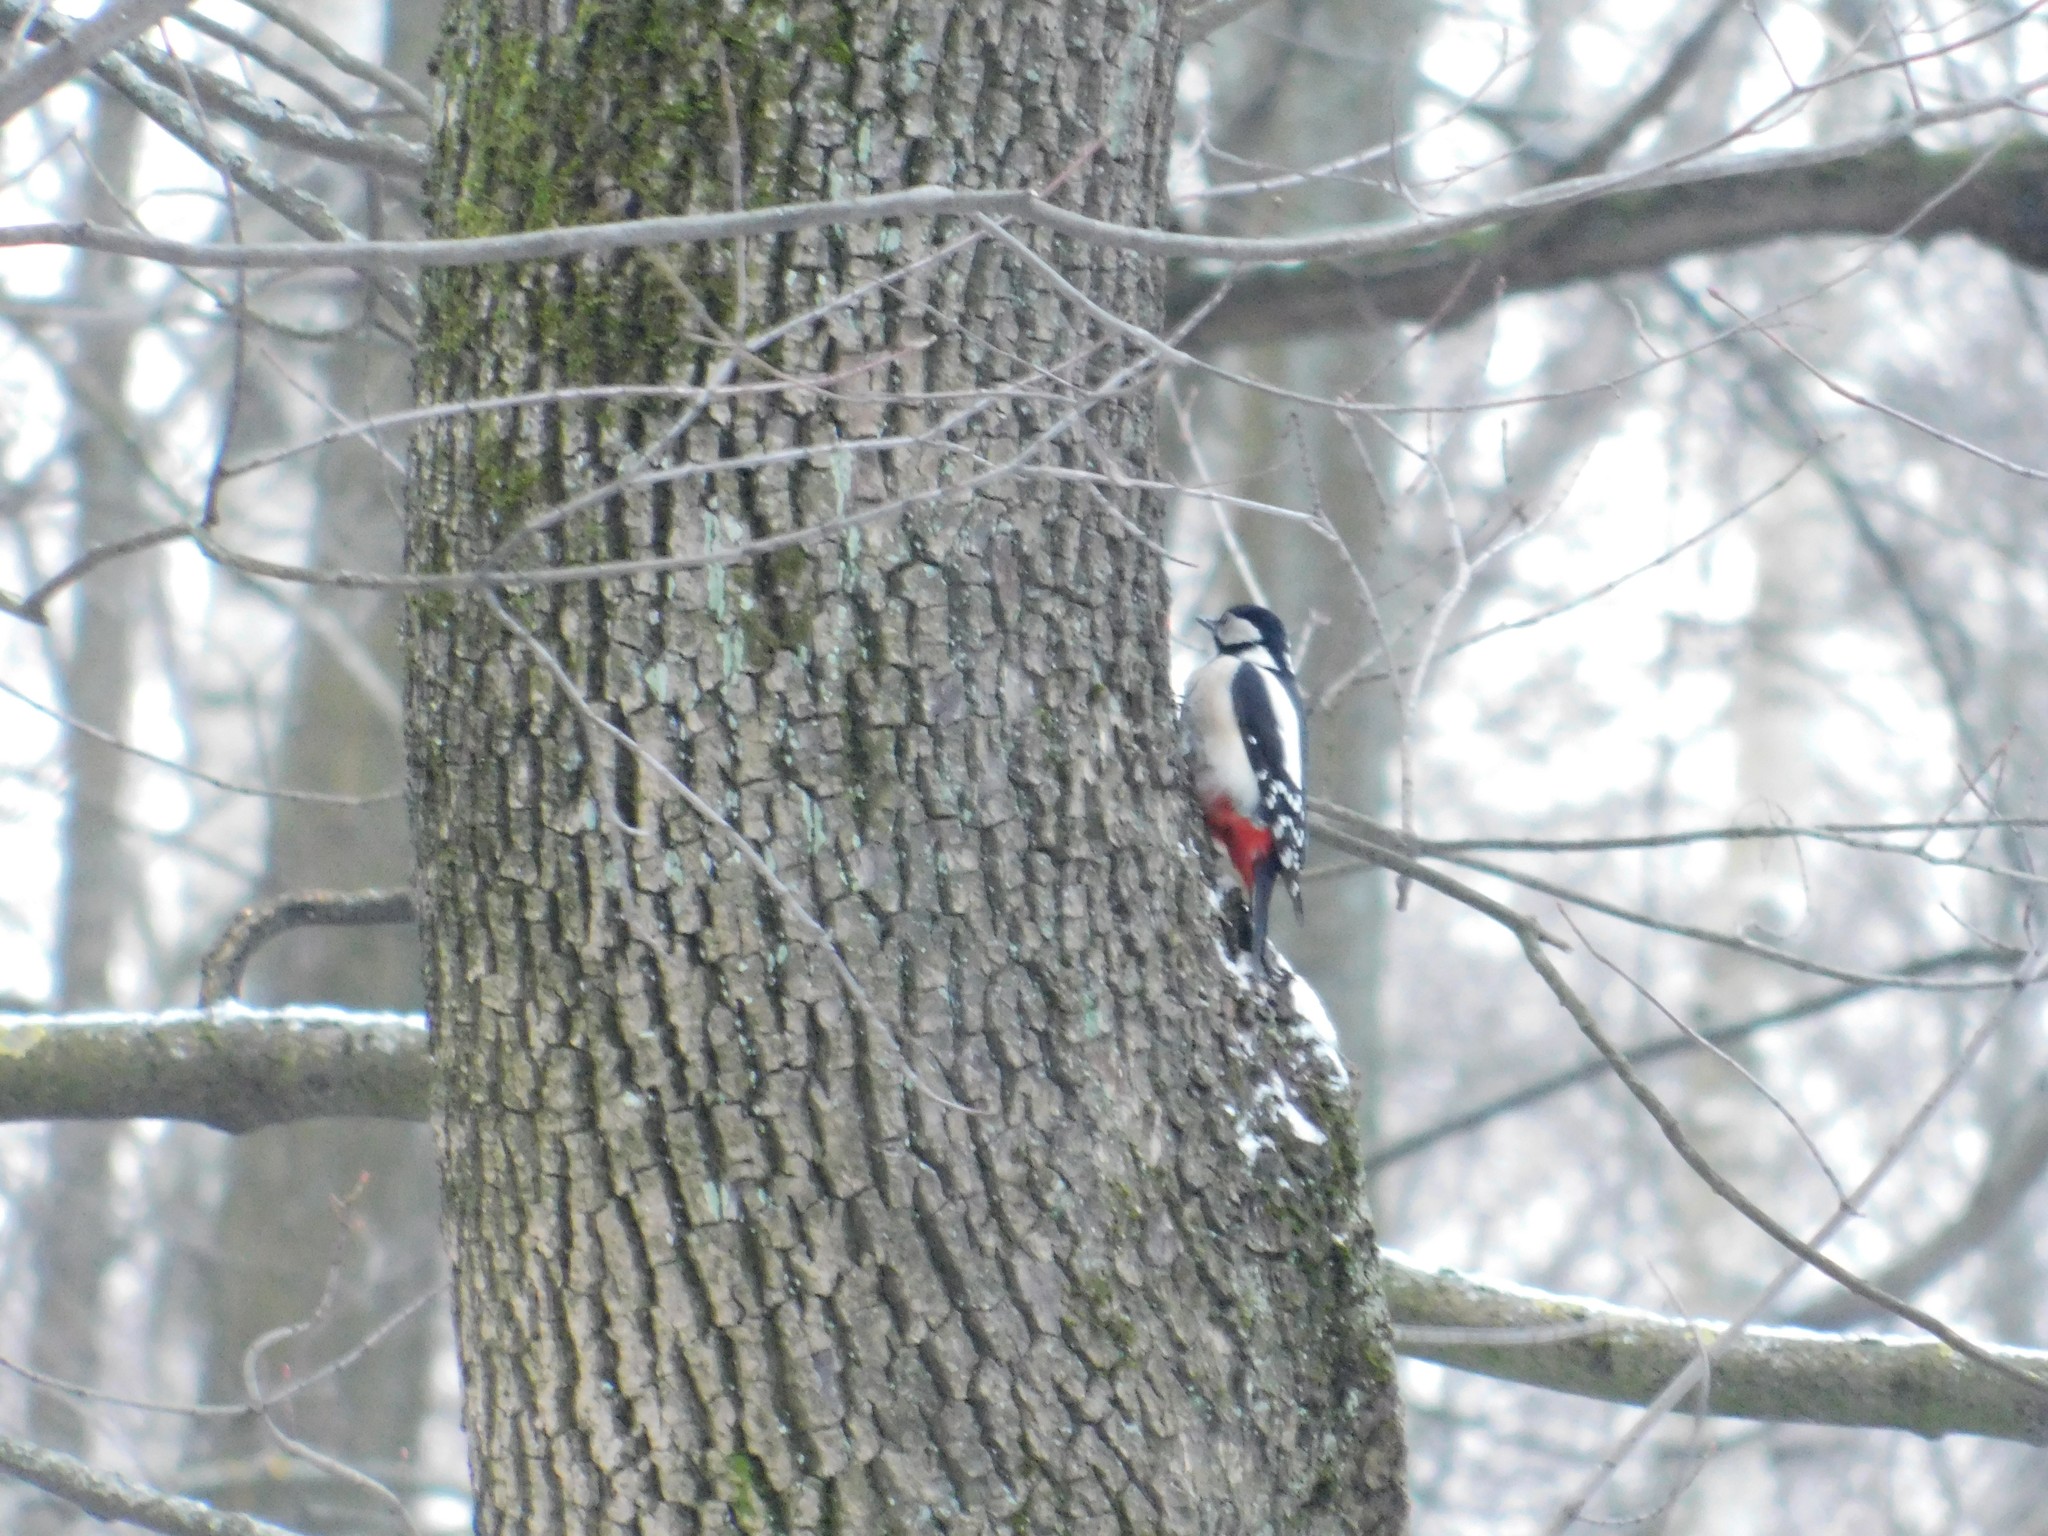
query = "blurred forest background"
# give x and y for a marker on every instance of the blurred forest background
(1585, 577)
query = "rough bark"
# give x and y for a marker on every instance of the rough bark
(729, 1255)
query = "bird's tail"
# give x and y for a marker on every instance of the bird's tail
(1262, 906)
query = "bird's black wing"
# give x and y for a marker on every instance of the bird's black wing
(1258, 696)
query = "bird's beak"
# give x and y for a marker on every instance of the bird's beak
(1209, 624)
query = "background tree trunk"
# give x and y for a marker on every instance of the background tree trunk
(358, 1193)
(730, 1253)
(77, 1233)
(278, 1228)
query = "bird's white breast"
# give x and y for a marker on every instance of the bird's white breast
(1221, 766)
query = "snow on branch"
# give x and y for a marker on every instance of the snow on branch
(230, 1067)
(1780, 1375)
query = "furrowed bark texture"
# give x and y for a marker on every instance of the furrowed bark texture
(729, 1256)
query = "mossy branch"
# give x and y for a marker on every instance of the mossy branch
(235, 1069)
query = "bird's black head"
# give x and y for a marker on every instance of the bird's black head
(1248, 627)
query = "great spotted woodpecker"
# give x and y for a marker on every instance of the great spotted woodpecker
(1243, 721)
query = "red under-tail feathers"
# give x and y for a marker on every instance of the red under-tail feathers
(1247, 843)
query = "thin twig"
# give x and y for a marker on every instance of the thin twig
(1791, 960)
(1517, 923)
(1699, 1040)
(73, 49)
(1684, 169)
(1890, 412)
(1595, 1070)
(397, 87)
(2023, 976)
(220, 972)
(186, 770)
(35, 606)
(262, 1402)
(1674, 1133)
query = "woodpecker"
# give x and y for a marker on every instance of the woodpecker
(1245, 733)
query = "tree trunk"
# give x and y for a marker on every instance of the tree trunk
(975, 1205)
(76, 1235)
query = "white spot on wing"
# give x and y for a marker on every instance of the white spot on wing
(1289, 722)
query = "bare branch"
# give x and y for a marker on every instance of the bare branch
(270, 120)
(74, 50)
(1789, 959)
(1351, 832)
(115, 1498)
(235, 1069)
(1683, 64)
(1694, 1374)
(187, 770)
(1674, 1134)
(275, 63)
(395, 86)
(220, 973)
(36, 606)
(1689, 202)
(170, 111)
(290, 1389)
(1205, 19)
(1898, 190)
(1779, 1375)
(2019, 1155)
(1595, 1070)
(261, 1401)
(1871, 403)
(1851, 833)
(1699, 1040)
(1390, 858)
